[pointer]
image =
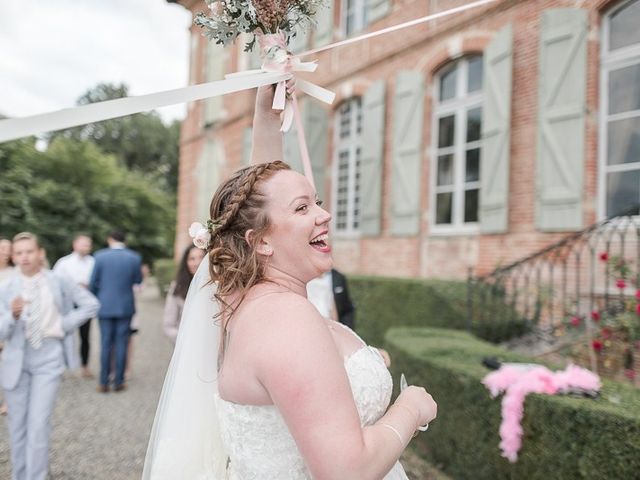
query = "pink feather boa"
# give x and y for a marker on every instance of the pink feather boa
(517, 382)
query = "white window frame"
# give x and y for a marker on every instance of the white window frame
(609, 61)
(351, 145)
(458, 106)
(360, 7)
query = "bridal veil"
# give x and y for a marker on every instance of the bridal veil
(185, 440)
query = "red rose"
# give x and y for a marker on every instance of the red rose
(620, 283)
(606, 333)
(595, 316)
(604, 256)
(629, 373)
(638, 308)
(597, 345)
(575, 321)
(638, 294)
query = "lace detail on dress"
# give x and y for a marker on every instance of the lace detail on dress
(259, 443)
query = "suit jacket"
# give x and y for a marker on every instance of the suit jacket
(344, 306)
(115, 273)
(75, 304)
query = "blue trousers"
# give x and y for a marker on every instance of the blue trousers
(114, 339)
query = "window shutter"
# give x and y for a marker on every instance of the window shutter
(290, 147)
(496, 133)
(376, 9)
(561, 119)
(207, 177)
(407, 153)
(372, 159)
(247, 137)
(214, 71)
(317, 130)
(324, 30)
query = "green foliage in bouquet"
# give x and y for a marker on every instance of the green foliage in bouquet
(231, 18)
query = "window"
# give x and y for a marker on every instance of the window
(620, 111)
(354, 16)
(347, 166)
(457, 144)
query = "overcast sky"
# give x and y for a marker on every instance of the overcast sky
(52, 51)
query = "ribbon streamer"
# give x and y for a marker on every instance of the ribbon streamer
(14, 128)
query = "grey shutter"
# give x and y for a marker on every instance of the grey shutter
(496, 133)
(561, 119)
(290, 148)
(214, 71)
(207, 173)
(247, 138)
(407, 153)
(376, 9)
(317, 130)
(324, 30)
(300, 42)
(372, 160)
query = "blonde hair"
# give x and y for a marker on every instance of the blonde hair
(238, 206)
(27, 236)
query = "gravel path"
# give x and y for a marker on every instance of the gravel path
(104, 436)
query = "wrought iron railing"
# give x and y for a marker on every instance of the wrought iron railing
(573, 281)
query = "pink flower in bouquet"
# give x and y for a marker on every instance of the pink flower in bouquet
(575, 321)
(597, 345)
(606, 333)
(630, 373)
(620, 283)
(638, 294)
(638, 309)
(604, 256)
(595, 316)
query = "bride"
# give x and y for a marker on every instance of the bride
(261, 386)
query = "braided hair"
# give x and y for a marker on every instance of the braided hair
(237, 206)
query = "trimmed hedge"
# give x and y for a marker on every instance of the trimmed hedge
(565, 437)
(382, 303)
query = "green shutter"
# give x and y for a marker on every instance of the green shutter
(207, 174)
(214, 71)
(324, 30)
(372, 160)
(316, 127)
(247, 137)
(496, 133)
(407, 153)
(376, 9)
(561, 119)
(290, 147)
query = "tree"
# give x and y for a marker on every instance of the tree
(141, 142)
(74, 187)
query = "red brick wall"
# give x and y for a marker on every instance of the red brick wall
(349, 70)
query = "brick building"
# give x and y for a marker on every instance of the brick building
(470, 141)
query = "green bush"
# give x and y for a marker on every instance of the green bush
(565, 437)
(382, 303)
(165, 272)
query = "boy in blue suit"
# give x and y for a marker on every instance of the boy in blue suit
(117, 269)
(39, 313)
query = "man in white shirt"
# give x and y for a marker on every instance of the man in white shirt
(78, 266)
(39, 312)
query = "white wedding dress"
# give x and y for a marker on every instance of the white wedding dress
(258, 441)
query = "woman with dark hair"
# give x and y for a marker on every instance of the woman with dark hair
(189, 262)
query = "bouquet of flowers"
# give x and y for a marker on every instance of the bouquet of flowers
(230, 18)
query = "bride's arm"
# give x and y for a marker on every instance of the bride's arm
(266, 138)
(304, 374)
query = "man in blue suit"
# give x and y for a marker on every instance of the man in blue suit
(117, 269)
(39, 313)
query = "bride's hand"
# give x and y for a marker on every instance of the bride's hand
(264, 98)
(419, 400)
